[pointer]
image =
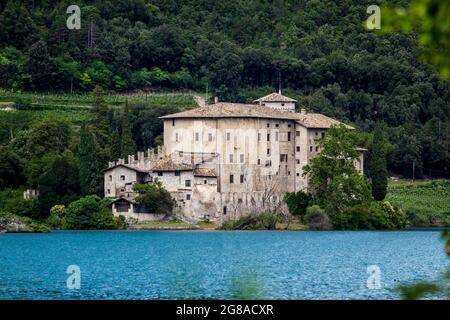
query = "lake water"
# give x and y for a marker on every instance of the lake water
(216, 265)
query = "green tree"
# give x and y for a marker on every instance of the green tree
(378, 166)
(128, 146)
(91, 181)
(88, 213)
(154, 198)
(11, 169)
(39, 65)
(334, 180)
(297, 202)
(430, 18)
(42, 138)
(58, 182)
(100, 127)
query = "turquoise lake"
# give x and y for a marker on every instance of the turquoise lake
(216, 265)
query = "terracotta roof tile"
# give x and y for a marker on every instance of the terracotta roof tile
(167, 164)
(239, 110)
(205, 172)
(275, 97)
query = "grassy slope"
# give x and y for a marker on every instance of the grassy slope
(426, 203)
(74, 107)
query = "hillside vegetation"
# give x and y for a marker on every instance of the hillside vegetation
(318, 51)
(426, 203)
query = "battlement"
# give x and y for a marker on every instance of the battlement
(142, 160)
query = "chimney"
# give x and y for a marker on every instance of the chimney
(216, 99)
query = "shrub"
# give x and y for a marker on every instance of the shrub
(13, 223)
(374, 215)
(297, 202)
(154, 198)
(262, 221)
(317, 219)
(120, 222)
(89, 212)
(57, 219)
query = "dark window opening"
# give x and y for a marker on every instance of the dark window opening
(187, 183)
(242, 178)
(231, 178)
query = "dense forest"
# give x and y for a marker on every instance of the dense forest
(318, 51)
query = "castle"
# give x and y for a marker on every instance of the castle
(224, 160)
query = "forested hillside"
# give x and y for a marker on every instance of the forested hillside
(239, 49)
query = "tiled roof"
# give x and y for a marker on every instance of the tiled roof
(275, 97)
(125, 166)
(205, 172)
(317, 120)
(167, 164)
(239, 110)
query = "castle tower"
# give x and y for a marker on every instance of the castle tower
(277, 101)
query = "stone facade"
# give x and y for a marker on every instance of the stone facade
(226, 160)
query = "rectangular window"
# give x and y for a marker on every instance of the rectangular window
(228, 136)
(268, 137)
(268, 152)
(160, 174)
(323, 135)
(177, 173)
(231, 178)
(298, 161)
(176, 137)
(259, 136)
(197, 136)
(289, 125)
(242, 158)
(122, 178)
(268, 125)
(188, 197)
(298, 174)
(259, 161)
(298, 149)
(210, 137)
(109, 191)
(231, 158)
(289, 136)
(276, 136)
(283, 157)
(310, 148)
(242, 178)
(317, 149)
(297, 133)
(187, 183)
(110, 177)
(173, 122)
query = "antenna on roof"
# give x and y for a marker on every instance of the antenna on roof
(206, 96)
(279, 81)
